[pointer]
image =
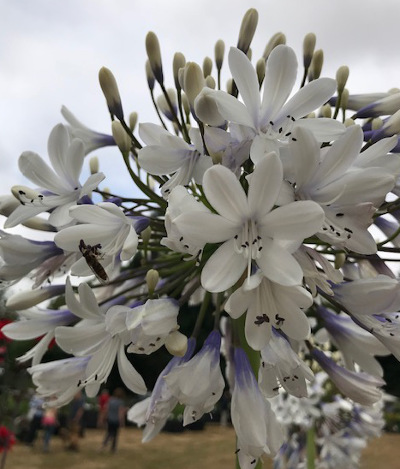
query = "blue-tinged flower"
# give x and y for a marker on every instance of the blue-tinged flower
(384, 106)
(35, 324)
(58, 187)
(358, 101)
(248, 227)
(345, 186)
(21, 256)
(198, 383)
(91, 139)
(154, 411)
(168, 154)
(281, 366)
(271, 120)
(358, 386)
(102, 335)
(356, 344)
(256, 426)
(270, 305)
(58, 381)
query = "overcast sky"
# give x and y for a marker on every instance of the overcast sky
(51, 51)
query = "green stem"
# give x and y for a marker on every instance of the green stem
(311, 450)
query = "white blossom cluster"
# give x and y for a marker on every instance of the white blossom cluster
(272, 196)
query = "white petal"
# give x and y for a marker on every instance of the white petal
(131, 378)
(323, 128)
(232, 109)
(246, 81)
(223, 269)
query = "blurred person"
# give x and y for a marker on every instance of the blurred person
(35, 415)
(49, 424)
(116, 411)
(102, 403)
(76, 411)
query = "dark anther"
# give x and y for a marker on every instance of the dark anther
(261, 319)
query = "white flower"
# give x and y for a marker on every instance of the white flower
(281, 366)
(256, 426)
(249, 229)
(154, 411)
(167, 154)
(92, 140)
(59, 188)
(346, 189)
(100, 335)
(198, 383)
(103, 226)
(270, 304)
(272, 120)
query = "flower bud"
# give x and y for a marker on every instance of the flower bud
(326, 111)
(133, 118)
(349, 122)
(146, 235)
(340, 259)
(260, 69)
(210, 82)
(316, 65)
(345, 99)
(389, 128)
(110, 90)
(247, 29)
(193, 81)
(178, 63)
(152, 278)
(164, 106)
(276, 39)
(154, 55)
(229, 85)
(376, 123)
(29, 298)
(150, 76)
(176, 344)
(186, 106)
(94, 165)
(206, 109)
(121, 138)
(207, 67)
(308, 49)
(342, 76)
(219, 52)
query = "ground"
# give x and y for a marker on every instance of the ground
(213, 448)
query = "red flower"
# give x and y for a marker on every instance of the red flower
(7, 439)
(4, 322)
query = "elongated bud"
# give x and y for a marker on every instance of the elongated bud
(389, 128)
(349, 122)
(29, 298)
(345, 99)
(210, 82)
(109, 87)
(247, 30)
(340, 259)
(206, 109)
(326, 111)
(207, 67)
(186, 105)
(163, 104)
(176, 344)
(94, 165)
(178, 63)
(376, 123)
(154, 55)
(308, 49)
(150, 76)
(219, 52)
(146, 235)
(260, 69)
(133, 118)
(316, 65)
(152, 278)
(193, 81)
(276, 39)
(229, 85)
(121, 138)
(341, 77)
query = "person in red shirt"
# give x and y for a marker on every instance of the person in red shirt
(102, 403)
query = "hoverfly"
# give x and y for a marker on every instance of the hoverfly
(92, 255)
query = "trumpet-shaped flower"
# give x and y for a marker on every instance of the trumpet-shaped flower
(168, 154)
(269, 305)
(248, 228)
(103, 226)
(59, 187)
(272, 119)
(256, 426)
(198, 383)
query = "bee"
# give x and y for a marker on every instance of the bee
(92, 255)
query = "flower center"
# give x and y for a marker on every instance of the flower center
(279, 131)
(249, 243)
